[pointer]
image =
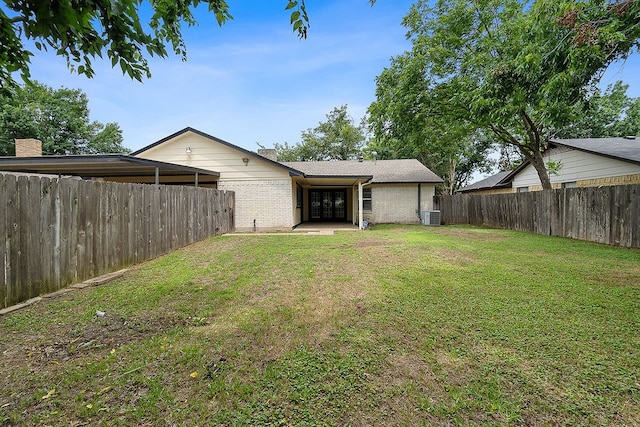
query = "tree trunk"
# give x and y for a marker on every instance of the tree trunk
(537, 162)
(452, 175)
(531, 148)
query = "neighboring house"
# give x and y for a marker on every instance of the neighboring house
(270, 195)
(492, 184)
(585, 162)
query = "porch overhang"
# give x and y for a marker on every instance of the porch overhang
(110, 167)
(309, 181)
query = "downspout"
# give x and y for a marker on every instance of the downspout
(360, 218)
(419, 211)
(360, 203)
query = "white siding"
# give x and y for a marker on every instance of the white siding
(268, 202)
(263, 190)
(576, 165)
(211, 155)
(398, 203)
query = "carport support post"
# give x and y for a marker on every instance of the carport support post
(360, 204)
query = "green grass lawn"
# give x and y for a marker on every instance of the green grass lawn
(390, 326)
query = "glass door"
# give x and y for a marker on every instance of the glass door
(316, 205)
(328, 205)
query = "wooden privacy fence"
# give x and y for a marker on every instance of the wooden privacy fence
(61, 231)
(609, 215)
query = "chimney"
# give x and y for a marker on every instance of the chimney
(269, 153)
(29, 147)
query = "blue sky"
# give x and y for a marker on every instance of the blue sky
(253, 80)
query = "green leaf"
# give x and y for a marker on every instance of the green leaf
(77, 29)
(295, 16)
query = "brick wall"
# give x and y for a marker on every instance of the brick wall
(596, 182)
(398, 203)
(269, 202)
(613, 180)
(28, 147)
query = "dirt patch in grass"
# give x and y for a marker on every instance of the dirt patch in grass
(364, 243)
(62, 345)
(403, 387)
(466, 233)
(627, 277)
(383, 327)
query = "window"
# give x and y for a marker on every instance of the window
(366, 199)
(571, 184)
(298, 196)
(523, 189)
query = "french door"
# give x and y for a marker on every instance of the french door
(328, 205)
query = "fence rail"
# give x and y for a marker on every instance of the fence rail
(609, 215)
(61, 231)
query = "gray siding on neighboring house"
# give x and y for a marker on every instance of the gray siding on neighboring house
(576, 166)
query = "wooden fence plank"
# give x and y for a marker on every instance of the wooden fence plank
(45, 207)
(22, 243)
(635, 217)
(69, 204)
(4, 282)
(609, 215)
(61, 231)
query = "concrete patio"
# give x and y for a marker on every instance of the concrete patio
(309, 228)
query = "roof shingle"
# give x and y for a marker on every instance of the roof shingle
(381, 171)
(627, 149)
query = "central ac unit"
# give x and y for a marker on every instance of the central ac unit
(430, 217)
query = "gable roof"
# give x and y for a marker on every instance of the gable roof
(626, 149)
(219, 141)
(493, 181)
(379, 171)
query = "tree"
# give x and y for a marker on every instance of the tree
(516, 69)
(338, 138)
(81, 30)
(403, 128)
(607, 113)
(59, 118)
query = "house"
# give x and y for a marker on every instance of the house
(272, 195)
(493, 184)
(582, 162)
